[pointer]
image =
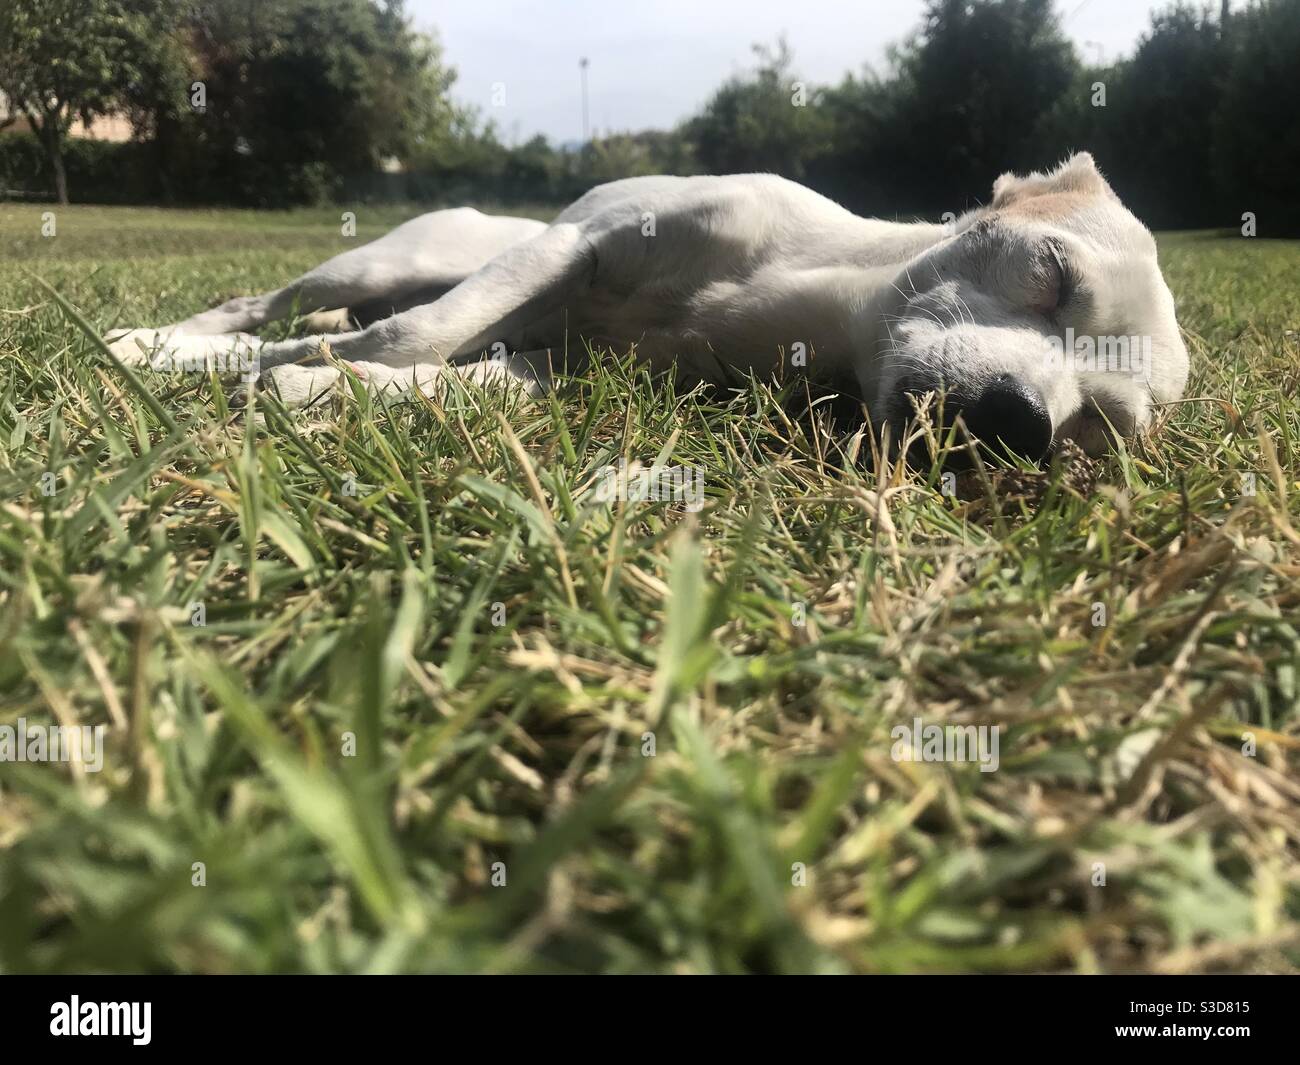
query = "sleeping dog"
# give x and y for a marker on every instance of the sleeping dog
(1040, 317)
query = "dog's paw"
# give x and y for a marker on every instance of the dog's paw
(170, 351)
(226, 353)
(135, 347)
(296, 385)
(300, 386)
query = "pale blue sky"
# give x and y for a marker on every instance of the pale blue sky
(654, 62)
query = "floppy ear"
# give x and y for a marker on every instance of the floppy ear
(1077, 174)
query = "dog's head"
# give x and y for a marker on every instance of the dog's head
(1043, 316)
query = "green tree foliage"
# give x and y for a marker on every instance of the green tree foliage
(1256, 127)
(307, 99)
(1147, 118)
(1157, 122)
(300, 93)
(966, 99)
(769, 121)
(1198, 126)
(635, 154)
(61, 60)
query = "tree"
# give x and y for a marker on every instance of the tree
(770, 121)
(1256, 129)
(962, 101)
(301, 93)
(66, 59)
(1153, 136)
(969, 96)
(620, 155)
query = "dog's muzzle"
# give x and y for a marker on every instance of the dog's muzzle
(1007, 417)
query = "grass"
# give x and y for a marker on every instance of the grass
(432, 661)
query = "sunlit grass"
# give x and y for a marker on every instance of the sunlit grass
(415, 663)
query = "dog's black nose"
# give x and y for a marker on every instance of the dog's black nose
(1010, 415)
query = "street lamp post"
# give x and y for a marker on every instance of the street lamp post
(582, 66)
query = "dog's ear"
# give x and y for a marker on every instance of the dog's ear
(1078, 174)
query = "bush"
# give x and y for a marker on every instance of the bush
(1256, 132)
(98, 171)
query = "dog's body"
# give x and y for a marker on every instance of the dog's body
(720, 274)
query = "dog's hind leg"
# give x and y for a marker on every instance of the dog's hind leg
(435, 250)
(420, 258)
(521, 286)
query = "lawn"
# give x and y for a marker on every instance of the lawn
(389, 688)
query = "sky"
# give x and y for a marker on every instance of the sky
(654, 62)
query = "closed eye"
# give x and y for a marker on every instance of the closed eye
(1047, 280)
(1057, 281)
(1067, 284)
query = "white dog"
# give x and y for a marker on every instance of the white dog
(1041, 316)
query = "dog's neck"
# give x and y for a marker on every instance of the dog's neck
(876, 254)
(879, 243)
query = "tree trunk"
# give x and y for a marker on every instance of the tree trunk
(163, 142)
(60, 174)
(50, 134)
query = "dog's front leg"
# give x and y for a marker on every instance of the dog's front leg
(522, 285)
(519, 286)
(303, 386)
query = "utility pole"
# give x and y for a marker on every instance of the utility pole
(582, 66)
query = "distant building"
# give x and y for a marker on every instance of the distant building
(114, 128)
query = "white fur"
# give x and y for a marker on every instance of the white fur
(715, 272)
